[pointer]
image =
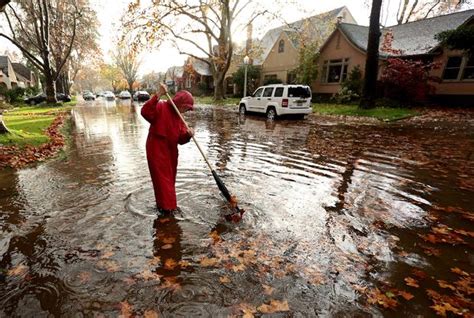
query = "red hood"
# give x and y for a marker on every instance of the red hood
(184, 99)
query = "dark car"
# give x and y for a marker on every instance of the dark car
(41, 97)
(141, 96)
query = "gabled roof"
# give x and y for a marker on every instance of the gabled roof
(22, 70)
(4, 61)
(200, 67)
(317, 24)
(412, 38)
(175, 70)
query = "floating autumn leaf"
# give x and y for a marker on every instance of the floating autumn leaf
(419, 273)
(149, 275)
(273, 307)
(268, 290)
(107, 254)
(170, 264)
(209, 262)
(151, 314)
(184, 263)
(215, 237)
(126, 309)
(233, 201)
(405, 295)
(247, 310)
(224, 279)
(431, 251)
(376, 297)
(411, 282)
(155, 261)
(458, 271)
(465, 233)
(19, 270)
(108, 265)
(84, 277)
(444, 284)
(238, 268)
(442, 308)
(171, 283)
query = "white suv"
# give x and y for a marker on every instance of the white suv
(276, 100)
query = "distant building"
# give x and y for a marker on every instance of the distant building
(197, 76)
(174, 78)
(8, 78)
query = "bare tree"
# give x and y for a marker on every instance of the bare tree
(411, 10)
(369, 92)
(127, 60)
(30, 24)
(203, 26)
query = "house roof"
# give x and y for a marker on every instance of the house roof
(22, 70)
(4, 60)
(317, 24)
(201, 67)
(412, 38)
(175, 70)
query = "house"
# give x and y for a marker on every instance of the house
(346, 48)
(281, 45)
(197, 76)
(8, 78)
(25, 75)
(174, 78)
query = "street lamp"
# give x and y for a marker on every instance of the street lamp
(246, 63)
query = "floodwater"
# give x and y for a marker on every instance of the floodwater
(335, 211)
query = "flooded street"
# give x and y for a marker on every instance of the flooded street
(339, 216)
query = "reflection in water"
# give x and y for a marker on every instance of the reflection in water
(331, 210)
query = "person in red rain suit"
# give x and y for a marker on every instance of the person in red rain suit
(166, 131)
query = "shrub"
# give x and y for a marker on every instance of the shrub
(407, 80)
(351, 87)
(271, 81)
(14, 95)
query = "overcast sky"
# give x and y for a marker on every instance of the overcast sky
(110, 11)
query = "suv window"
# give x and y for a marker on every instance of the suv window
(268, 92)
(299, 91)
(258, 92)
(279, 92)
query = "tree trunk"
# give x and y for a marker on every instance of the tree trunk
(369, 91)
(219, 87)
(50, 88)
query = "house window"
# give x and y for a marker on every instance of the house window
(468, 73)
(334, 71)
(281, 46)
(291, 78)
(453, 66)
(189, 82)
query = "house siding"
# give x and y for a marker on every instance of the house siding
(456, 87)
(280, 63)
(337, 47)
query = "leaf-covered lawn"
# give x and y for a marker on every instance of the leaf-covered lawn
(382, 113)
(28, 124)
(209, 100)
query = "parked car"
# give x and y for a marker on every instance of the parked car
(108, 95)
(141, 96)
(99, 94)
(124, 95)
(41, 97)
(277, 100)
(88, 96)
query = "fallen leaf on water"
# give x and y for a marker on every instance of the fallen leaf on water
(84, 277)
(167, 247)
(108, 265)
(224, 279)
(274, 306)
(405, 295)
(215, 237)
(442, 308)
(149, 275)
(19, 270)
(412, 282)
(376, 297)
(107, 254)
(170, 264)
(459, 271)
(419, 273)
(184, 263)
(155, 261)
(247, 310)
(444, 284)
(465, 233)
(209, 262)
(151, 314)
(238, 268)
(233, 201)
(268, 290)
(171, 283)
(125, 309)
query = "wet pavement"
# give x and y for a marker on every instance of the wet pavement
(343, 219)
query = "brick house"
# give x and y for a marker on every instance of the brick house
(346, 48)
(197, 77)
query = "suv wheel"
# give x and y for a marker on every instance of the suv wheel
(242, 110)
(271, 113)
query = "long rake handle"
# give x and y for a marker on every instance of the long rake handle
(194, 139)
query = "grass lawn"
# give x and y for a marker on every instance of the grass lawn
(382, 113)
(27, 124)
(209, 100)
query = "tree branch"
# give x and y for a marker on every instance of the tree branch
(28, 55)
